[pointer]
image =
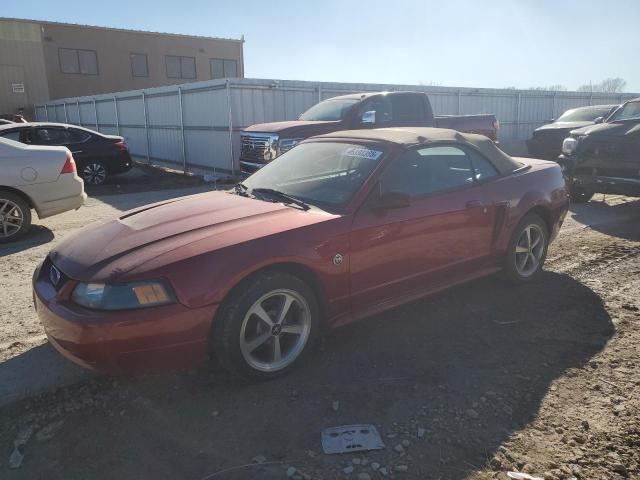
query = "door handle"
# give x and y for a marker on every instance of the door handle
(474, 204)
(76, 151)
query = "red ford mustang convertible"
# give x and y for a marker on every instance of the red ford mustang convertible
(340, 227)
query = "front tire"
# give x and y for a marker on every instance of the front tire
(267, 326)
(527, 250)
(15, 217)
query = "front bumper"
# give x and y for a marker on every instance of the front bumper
(613, 185)
(543, 149)
(156, 339)
(597, 183)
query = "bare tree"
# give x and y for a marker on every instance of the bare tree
(608, 85)
(550, 88)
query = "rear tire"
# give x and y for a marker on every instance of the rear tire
(94, 172)
(253, 346)
(527, 250)
(580, 195)
(15, 216)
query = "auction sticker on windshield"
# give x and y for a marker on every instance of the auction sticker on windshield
(363, 153)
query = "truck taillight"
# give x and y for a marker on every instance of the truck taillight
(496, 124)
(69, 165)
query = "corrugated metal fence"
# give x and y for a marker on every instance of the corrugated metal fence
(195, 126)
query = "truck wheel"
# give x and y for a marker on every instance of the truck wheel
(527, 250)
(580, 195)
(15, 216)
(266, 327)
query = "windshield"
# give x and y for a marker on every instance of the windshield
(325, 174)
(583, 114)
(329, 110)
(630, 111)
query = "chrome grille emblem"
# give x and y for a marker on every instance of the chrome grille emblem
(54, 275)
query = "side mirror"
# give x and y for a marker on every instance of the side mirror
(599, 120)
(368, 117)
(389, 200)
(551, 120)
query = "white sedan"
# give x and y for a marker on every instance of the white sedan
(42, 178)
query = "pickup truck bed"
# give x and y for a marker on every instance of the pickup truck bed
(483, 124)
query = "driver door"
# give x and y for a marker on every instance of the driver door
(444, 233)
(374, 112)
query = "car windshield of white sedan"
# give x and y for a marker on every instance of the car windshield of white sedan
(320, 173)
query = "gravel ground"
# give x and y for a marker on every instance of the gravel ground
(27, 363)
(472, 383)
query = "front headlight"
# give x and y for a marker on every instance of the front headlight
(288, 143)
(569, 145)
(124, 296)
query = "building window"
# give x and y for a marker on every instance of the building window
(180, 67)
(82, 62)
(223, 68)
(139, 66)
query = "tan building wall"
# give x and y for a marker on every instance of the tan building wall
(35, 48)
(113, 49)
(21, 64)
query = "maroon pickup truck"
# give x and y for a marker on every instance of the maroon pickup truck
(263, 142)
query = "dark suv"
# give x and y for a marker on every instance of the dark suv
(605, 157)
(546, 141)
(97, 156)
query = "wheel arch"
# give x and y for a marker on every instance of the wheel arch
(299, 270)
(544, 213)
(20, 193)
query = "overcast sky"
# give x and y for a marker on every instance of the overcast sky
(490, 43)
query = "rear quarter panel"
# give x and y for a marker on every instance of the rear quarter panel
(28, 165)
(35, 171)
(539, 184)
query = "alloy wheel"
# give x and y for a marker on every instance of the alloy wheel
(94, 173)
(275, 330)
(529, 250)
(11, 218)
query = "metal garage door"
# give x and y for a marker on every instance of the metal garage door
(13, 89)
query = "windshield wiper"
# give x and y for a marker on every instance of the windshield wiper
(283, 196)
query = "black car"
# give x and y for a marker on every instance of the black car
(605, 158)
(546, 141)
(97, 156)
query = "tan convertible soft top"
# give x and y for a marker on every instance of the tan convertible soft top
(412, 136)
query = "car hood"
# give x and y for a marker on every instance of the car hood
(615, 129)
(566, 126)
(175, 229)
(295, 128)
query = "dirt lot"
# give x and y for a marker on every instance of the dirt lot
(467, 384)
